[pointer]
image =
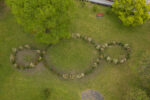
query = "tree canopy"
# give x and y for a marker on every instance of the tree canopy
(48, 19)
(132, 12)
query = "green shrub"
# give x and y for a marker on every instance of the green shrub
(132, 12)
(136, 94)
(95, 8)
(47, 93)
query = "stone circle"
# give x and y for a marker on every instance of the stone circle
(17, 58)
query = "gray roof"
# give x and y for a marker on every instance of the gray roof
(103, 2)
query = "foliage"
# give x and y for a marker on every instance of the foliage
(95, 8)
(132, 12)
(47, 18)
(47, 93)
(136, 94)
(145, 78)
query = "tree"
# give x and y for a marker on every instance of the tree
(48, 19)
(132, 12)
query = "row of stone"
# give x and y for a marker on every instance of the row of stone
(25, 47)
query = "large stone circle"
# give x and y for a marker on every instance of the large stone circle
(81, 74)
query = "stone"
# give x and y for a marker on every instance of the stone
(108, 58)
(82, 74)
(12, 58)
(85, 37)
(21, 47)
(115, 61)
(98, 47)
(27, 46)
(40, 58)
(43, 52)
(126, 45)
(14, 50)
(105, 45)
(97, 60)
(121, 61)
(90, 39)
(101, 56)
(15, 65)
(78, 76)
(95, 65)
(78, 35)
(102, 49)
(32, 65)
(65, 76)
(38, 51)
(114, 42)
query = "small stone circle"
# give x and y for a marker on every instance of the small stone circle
(115, 60)
(17, 57)
(91, 95)
(71, 76)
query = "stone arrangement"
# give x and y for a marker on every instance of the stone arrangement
(71, 76)
(109, 59)
(26, 48)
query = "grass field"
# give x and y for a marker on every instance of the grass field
(112, 81)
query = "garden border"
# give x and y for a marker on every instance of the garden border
(86, 72)
(25, 47)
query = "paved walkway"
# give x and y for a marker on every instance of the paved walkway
(103, 2)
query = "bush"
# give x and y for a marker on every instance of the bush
(47, 93)
(132, 12)
(136, 94)
(95, 8)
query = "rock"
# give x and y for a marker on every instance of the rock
(114, 42)
(95, 65)
(27, 46)
(21, 47)
(97, 60)
(78, 76)
(105, 45)
(12, 58)
(102, 49)
(82, 74)
(85, 37)
(43, 52)
(98, 47)
(40, 58)
(90, 39)
(65, 76)
(101, 56)
(115, 61)
(126, 45)
(38, 51)
(32, 65)
(108, 59)
(78, 35)
(15, 65)
(14, 50)
(121, 61)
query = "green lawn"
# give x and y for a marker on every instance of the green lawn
(112, 81)
(73, 55)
